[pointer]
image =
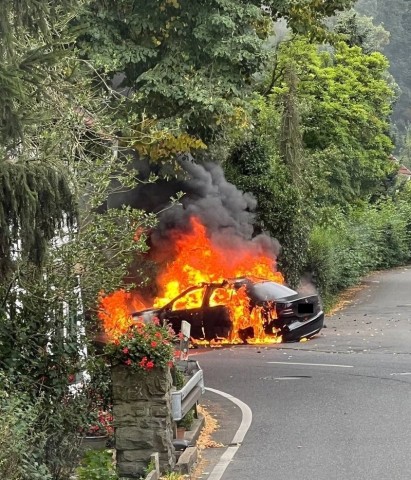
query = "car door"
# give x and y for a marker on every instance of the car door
(216, 315)
(187, 306)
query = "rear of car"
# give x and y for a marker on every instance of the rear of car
(294, 315)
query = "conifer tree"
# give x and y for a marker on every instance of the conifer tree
(35, 191)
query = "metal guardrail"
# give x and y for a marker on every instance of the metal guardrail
(183, 400)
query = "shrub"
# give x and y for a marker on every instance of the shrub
(178, 378)
(39, 436)
(172, 476)
(21, 443)
(369, 238)
(97, 465)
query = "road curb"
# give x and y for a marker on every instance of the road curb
(189, 457)
(192, 435)
(187, 460)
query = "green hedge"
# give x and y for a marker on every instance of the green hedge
(370, 238)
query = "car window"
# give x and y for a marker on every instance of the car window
(270, 291)
(220, 296)
(192, 299)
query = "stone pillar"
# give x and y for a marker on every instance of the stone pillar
(142, 419)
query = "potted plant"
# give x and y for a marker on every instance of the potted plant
(187, 421)
(144, 347)
(184, 424)
(99, 429)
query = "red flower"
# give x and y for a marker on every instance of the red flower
(170, 363)
(100, 424)
(142, 339)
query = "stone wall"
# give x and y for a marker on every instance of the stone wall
(142, 419)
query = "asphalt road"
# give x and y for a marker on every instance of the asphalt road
(337, 407)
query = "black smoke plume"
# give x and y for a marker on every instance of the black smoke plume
(225, 211)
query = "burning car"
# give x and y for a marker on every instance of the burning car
(242, 310)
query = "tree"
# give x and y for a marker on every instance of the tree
(290, 137)
(345, 122)
(36, 196)
(253, 168)
(359, 30)
(405, 152)
(29, 52)
(58, 163)
(190, 65)
(395, 16)
(59, 159)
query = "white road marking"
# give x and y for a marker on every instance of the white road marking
(403, 373)
(228, 455)
(313, 364)
(287, 378)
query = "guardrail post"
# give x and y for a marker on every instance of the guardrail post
(185, 340)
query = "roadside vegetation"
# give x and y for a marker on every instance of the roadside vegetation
(293, 100)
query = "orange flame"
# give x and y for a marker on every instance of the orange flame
(115, 309)
(197, 258)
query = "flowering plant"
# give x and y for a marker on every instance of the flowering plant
(144, 346)
(100, 423)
